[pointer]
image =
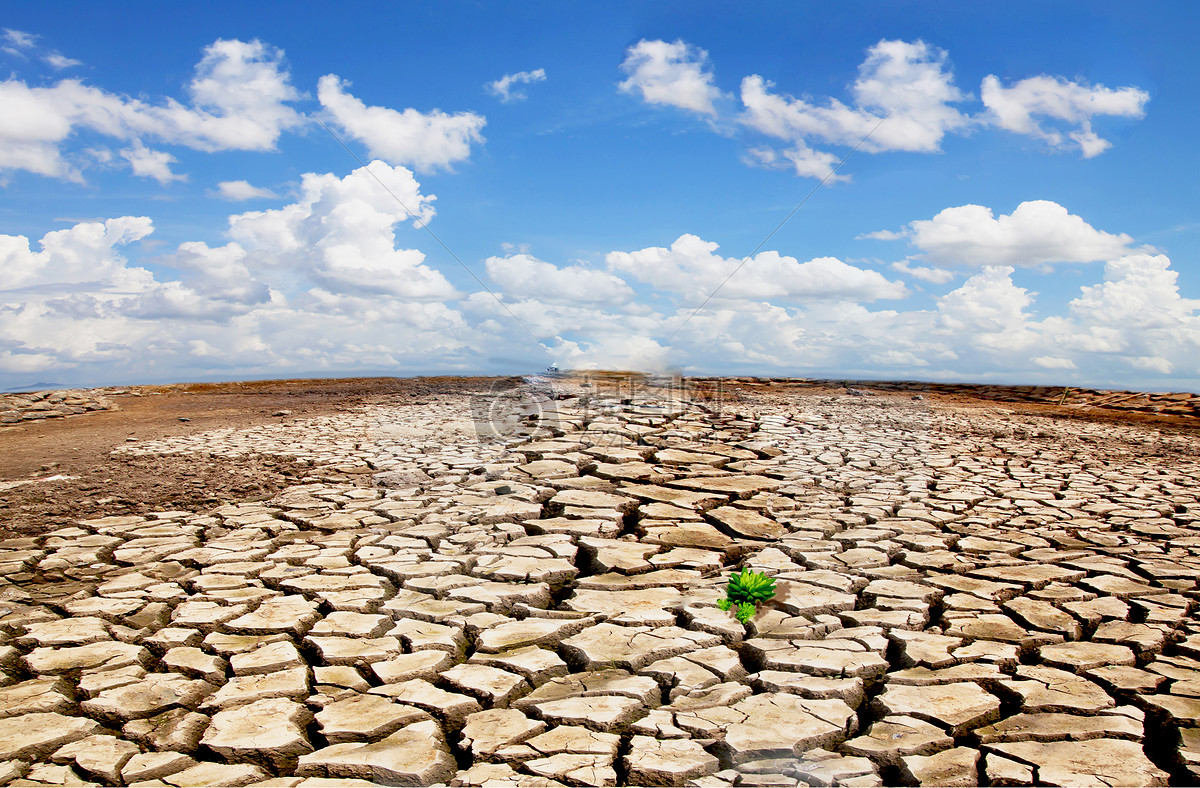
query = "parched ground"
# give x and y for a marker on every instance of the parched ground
(97, 482)
(483, 581)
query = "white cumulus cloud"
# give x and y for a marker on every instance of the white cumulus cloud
(904, 98)
(910, 80)
(319, 284)
(424, 141)
(672, 74)
(85, 254)
(937, 276)
(340, 235)
(503, 88)
(239, 101)
(238, 191)
(990, 309)
(614, 351)
(525, 276)
(147, 163)
(691, 268)
(1036, 233)
(1140, 292)
(1059, 111)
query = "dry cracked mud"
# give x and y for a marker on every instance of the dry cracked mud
(521, 588)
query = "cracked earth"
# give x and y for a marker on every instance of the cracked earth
(521, 589)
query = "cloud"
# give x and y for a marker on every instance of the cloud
(937, 276)
(882, 235)
(239, 101)
(240, 94)
(673, 75)
(221, 273)
(333, 279)
(524, 276)
(59, 61)
(340, 235)
(1054, 362)
(903, 99)
(16, 42)
(897, 358)
(690, 268)
(611, 352)
(1031, 104)
(148, 163)
(83, 254)
(990, 309)
(1037, 232)
(320, 283)
(1139, 294)
(424, 141)
(503, 88)
(1135, 319)
(238, 191)
(801, 159)
(909, 80)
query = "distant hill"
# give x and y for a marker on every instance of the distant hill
(35, 387)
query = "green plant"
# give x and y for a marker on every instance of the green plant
(746, 589)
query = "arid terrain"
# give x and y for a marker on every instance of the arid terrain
(499, 581)
(98, 482)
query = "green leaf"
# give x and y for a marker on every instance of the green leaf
(750, 586)
(745, 611)
(724, 603)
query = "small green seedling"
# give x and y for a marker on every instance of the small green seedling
(745, 590)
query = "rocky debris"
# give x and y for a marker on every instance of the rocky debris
(987, 605)
(1081, 657)
(609, 713)
(511, 635)
(216, 774)
(145, 766)
(36, 405)
(495, 687)
(452, 707)
(1171, 403)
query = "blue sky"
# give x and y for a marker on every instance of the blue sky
(1020, 204)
